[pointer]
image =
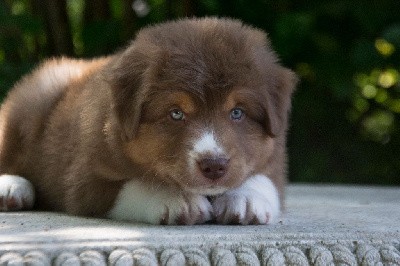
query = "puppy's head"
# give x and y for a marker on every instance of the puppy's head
(202, 103)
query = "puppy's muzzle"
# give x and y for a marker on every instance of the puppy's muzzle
(213, 168)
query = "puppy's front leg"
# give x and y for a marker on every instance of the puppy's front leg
(141, 202)
(256, 201)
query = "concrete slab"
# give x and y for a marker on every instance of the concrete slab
(323, 225)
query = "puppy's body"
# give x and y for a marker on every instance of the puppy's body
(53, 133)
(190, 109)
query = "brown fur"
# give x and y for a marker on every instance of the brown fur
(79, 129)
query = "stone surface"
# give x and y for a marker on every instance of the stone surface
(322, 225)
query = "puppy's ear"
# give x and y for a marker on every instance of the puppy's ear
(278, 101)
(129, 89)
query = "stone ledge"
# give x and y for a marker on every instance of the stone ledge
(323, 225)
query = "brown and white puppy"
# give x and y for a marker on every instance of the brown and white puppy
(185, 125)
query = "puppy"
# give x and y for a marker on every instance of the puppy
(184, 126)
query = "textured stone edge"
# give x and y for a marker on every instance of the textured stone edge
(316, 254)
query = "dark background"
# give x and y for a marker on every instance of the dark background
(346, 112)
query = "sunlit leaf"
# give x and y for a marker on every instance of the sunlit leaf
(388, 78)
(384, 47)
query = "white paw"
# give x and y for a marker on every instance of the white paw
(139, 202)
(255, 202)
(186, 210)
(16, 193)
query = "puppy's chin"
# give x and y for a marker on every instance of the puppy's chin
(207, 191)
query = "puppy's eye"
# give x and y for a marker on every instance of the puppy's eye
(177, 115)
(237, 114)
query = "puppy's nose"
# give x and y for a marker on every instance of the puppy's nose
(213, 168)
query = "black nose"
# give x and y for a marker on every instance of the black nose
(213, 168)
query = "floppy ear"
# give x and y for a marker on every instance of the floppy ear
(128, 89)
(278, 101)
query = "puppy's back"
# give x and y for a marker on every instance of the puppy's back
(29, 104)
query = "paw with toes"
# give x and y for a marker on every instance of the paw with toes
(245, 207)
(187, 210)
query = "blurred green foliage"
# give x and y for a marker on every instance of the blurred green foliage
(346, 112)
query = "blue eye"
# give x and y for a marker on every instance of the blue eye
(237, 114)
(177, 115)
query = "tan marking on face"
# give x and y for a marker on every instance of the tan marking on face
(184, 101)
(154, 144)
(161, 103)
(146, 147)
(230, 101)
(240, 96)
(249, 100)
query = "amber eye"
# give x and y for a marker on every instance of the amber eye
(237, 114)
(177, 115)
